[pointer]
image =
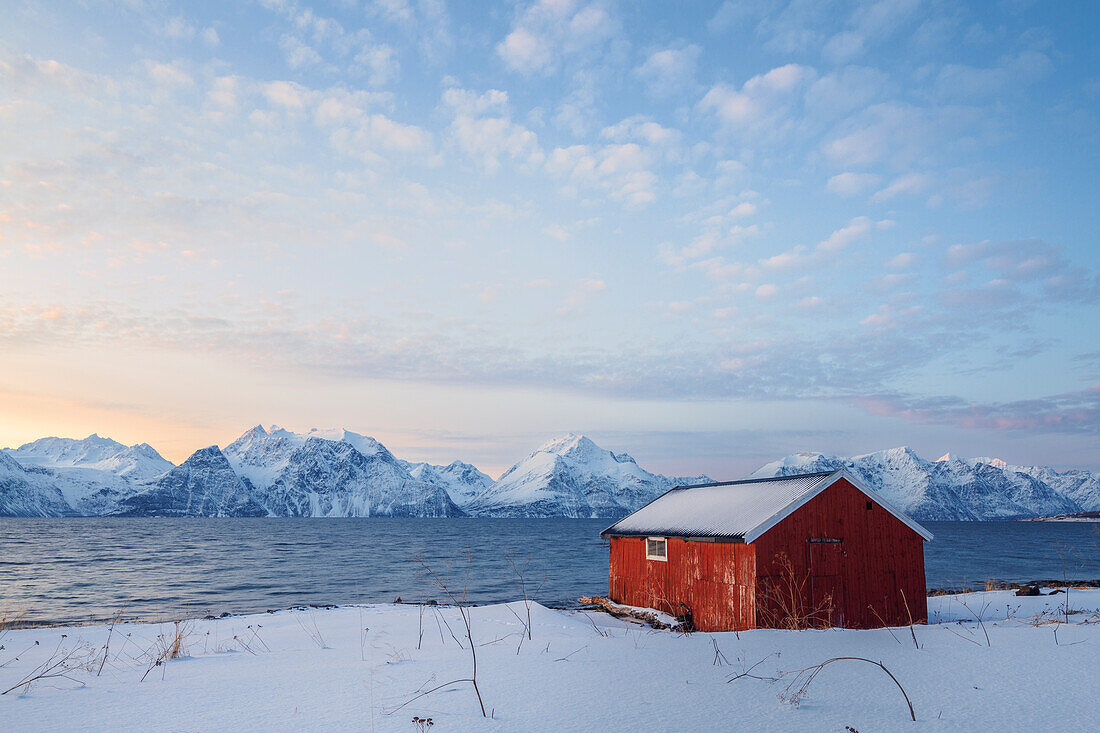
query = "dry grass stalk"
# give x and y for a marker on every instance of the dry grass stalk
(912, 630)
(59, 665)
(980, 616)
(9, 621)
(420, 631)
(107, 645)
(171, 646)
(746, 671)
(799, 686)
(459, 600)
(719, 658)
(312, 631)
(783, 603)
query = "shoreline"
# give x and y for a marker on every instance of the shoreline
(16, 621)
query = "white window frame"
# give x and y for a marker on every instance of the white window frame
(663, 541)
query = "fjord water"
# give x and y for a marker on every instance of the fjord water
(82, 569)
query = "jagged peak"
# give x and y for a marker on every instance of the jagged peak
(258, 437)
(565, 443)
(10, 463)
(579, 447)
(901, 452)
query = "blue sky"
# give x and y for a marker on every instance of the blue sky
(710, 235)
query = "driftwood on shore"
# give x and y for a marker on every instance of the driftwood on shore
(599, 603)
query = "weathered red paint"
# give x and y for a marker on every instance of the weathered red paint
(714, 580)
(856, 567)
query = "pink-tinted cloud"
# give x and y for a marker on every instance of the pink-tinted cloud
(1071, 412)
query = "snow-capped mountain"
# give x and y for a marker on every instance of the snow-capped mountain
(94, 473)
(66, 451)
(204, 485)
(332, 474)
(572, 477)
(1080, 486)
(952, 488)
(134, 462)
(338, 473)
(462, 482)
(25, 493)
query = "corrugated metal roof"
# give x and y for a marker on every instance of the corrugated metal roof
(730, 509)
(737, 510)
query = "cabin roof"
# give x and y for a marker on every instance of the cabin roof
(738, 511)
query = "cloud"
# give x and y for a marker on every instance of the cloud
(168, 75)
(845, 90)
(522, 50)
(467, 102)
(967, 83)
(906, 136)
(767, 290)
(902, 261)
(870, 24)
(489, 294)
(669, 71)
(556, 231)
(854, 230)
(549, 31)
(1069, 412)
(581, 295)
(298, 54)
(337, 179)
(1023, 262)
(743, 209)
(641, 129)
(909, 184)
(761, 102)
(802, 258)
(178, 27)
(842, 47)
(621, 170)
(286, 94)
(851, 184)
(490, 139)
(731, 13)
(377, 132)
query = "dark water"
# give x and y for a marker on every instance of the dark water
(70, 570)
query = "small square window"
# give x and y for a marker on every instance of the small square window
(656, 548)
(869, 505)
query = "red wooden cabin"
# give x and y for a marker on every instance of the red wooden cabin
(787, 552)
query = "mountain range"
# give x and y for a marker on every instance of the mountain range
(275, 472)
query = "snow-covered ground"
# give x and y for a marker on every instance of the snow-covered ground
(358, 668)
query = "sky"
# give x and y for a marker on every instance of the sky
(708, 234)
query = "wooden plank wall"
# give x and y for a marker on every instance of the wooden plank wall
(712, 579)
(881, 560)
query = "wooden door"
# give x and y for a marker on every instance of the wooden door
(827, 581)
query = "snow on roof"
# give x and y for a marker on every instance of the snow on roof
(740, 510)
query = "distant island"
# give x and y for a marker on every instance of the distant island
(1069, 517)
